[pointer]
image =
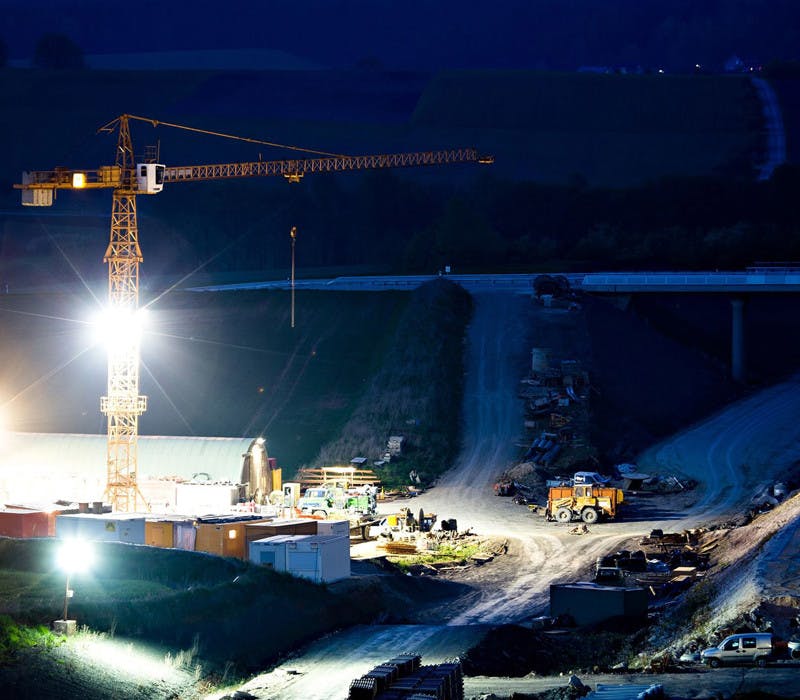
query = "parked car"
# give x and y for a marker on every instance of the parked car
(590, 478)
(751, 648)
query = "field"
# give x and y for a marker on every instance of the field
(604, 130)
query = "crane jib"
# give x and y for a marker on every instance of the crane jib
(301, 166)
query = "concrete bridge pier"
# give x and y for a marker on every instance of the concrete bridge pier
(738, 360)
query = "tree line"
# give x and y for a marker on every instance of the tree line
(396, 223)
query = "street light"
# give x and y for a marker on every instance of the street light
(293, 236)
(74, 556)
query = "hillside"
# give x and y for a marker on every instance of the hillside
(607, 130)
(212, 364)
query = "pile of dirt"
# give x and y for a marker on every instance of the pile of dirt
(515, 651)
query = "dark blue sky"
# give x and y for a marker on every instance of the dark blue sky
(427, 34)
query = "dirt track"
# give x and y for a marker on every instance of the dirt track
(733, 454)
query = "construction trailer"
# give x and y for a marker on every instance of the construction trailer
(176, 532)
(273, 528)
(590, 603)
(224, 535)
(201, 498)
(319, 558)
(101, 527)
(333, 527)
(21, 522)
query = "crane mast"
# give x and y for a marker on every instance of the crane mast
(123, 405)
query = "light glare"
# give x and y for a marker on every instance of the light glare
(75, 556)
(119, 327)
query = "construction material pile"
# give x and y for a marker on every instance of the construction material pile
(404, 678)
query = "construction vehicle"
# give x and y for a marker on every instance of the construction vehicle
(586, 502)
(334, 500)
(505, 487)
(129, 177)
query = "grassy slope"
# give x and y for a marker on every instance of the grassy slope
(171, 596)
(416, 392)
(213, 364)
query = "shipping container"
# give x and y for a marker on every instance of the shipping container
(159, 533)
(170, 531)
(21, 522)
(319, 558)
(197, 499)
(104, 527)
(273, 528)
(225, 535)
(333, 527)
(184, 535)
(590, 603)
(52, 510)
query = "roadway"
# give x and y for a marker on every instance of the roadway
(768, 280)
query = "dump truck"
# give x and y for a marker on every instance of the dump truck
(586, 502)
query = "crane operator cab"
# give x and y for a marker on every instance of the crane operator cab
(150, 178)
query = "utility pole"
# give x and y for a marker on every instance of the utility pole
(293, 236)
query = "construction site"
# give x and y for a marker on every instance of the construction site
(532, 557)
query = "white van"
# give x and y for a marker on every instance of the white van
(750, 648)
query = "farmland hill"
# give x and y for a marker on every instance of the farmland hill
(606, 129)
(611, 130)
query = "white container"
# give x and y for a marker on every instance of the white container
(199, 499)
(319, 558)
(104, 527)
(334, 527)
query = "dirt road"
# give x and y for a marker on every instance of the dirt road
(732, 455)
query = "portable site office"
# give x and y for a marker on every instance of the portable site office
(224, 536)
(103, 527)
(22, 522)
(320, 558)
(169, 532)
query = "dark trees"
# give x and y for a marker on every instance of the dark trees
(57, 52)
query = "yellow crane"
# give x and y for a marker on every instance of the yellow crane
(129, 178)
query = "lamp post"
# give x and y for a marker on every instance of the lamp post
(73, 556)
(293, 236)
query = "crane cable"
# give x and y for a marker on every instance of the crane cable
(155, 122)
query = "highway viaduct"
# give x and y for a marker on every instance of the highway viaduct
(738, 286)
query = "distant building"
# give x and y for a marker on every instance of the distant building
(737, 65)
(48, 467)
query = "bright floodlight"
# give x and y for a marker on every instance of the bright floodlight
(120, 327)
(75, 556)
(79, 180)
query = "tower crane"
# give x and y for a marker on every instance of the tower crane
(128, 178)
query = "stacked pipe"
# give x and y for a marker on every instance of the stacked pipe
(403, 678)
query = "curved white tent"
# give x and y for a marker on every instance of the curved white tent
(44, 467)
